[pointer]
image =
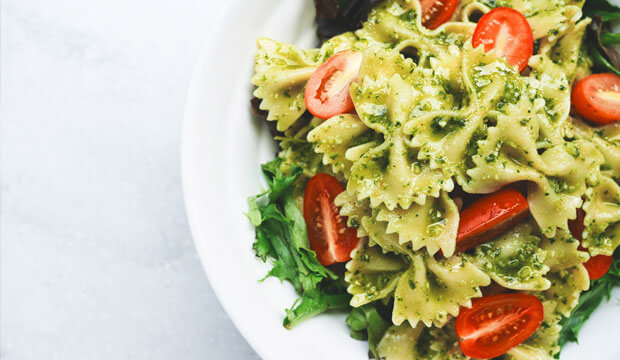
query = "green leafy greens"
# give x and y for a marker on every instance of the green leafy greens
(603, 45)
(281, 235)
(369, 322)
(598, 7)
(600, 290)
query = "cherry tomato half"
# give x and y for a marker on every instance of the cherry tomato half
(495, 324)
(507, 31)
(598, 265)
(327, 91)
(490, 216)
(597, 98)
(437, 12)
(328, 233)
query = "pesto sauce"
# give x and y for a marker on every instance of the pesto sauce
(436, 220)
(559, 185)
(383, 161)
(444, 125)
(519, 266)
(512, 95)
(379, 116)
(368, 136)
(472, 146)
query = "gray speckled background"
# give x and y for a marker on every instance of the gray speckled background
(96, 257)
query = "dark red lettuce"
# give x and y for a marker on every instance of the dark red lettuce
(334, 17)
(606, 56)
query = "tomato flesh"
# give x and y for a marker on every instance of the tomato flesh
(597, 98)
(327, 90)
(329, 236)
(490, 216)
(597, 266)
(437, 12)
(495, 324)
(507, 31)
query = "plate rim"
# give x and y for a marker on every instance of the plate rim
(187, 188)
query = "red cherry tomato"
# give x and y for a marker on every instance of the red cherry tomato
(597, 98)
(327, 91)
(507, 31)
(497, 323)
(437, 12)
(328, 233)
(598, 265)
(490, 216)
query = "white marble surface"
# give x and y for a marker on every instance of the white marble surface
(96, 256)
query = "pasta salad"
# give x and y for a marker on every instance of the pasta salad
(448, 172)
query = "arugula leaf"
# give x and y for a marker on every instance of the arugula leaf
(299, 239)
(254, 212)
(282, 236)
(600, 290)
(609, 15)
(278, 181)
(330, 297)
(610, 39)
(367, 323)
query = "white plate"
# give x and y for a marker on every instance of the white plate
(223, 146)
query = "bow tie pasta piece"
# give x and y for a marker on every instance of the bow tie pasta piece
(364, 219)
(296, 150)
(354, 210)
(515, 260)
(404, 342)
(557, 177)
(607, 141)
(470, 83)
(344, 41)
(377, 233)
(562, 251)
(281, 73)
(566, 286)
(549, 20)
(390, 173)
(468, 10)
(561, 46)
(529, 352)
(371, 274)
(433, 225)
(602, 220)
(543, 344)
(602, 204)
(342, 139)
(431, 290)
